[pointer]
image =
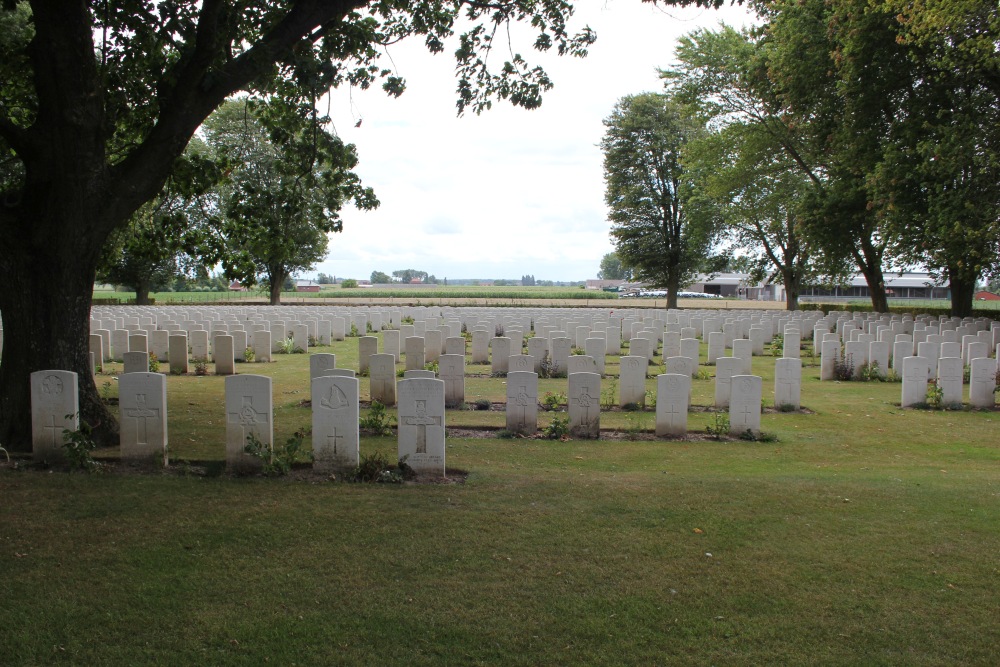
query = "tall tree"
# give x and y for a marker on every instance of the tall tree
(658, 226)
(612, 268)
(97, 100)
(380, 278)
(289, 180)
(409, 275)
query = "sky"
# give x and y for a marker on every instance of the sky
(509, 192)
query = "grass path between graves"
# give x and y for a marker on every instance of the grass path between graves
(865, 535)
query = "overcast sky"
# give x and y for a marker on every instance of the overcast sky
(509, 192)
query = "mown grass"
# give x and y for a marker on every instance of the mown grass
(866, 535)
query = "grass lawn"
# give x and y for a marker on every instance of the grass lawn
(865, 535)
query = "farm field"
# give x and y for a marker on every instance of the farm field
(859, 533)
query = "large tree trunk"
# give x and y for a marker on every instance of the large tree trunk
(963, 291)
(870, 264)
(142, 294)
(673, 286)
(46, 313)
(792, 288)
(275, 291)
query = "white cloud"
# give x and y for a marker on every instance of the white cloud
(510, 191)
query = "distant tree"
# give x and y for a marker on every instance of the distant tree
(612, 269)
(379, 278)
(291, 177)
(324, 279)
(407, 275)
(287, 284)
(659, 226)
(528, 280)
(349, 283)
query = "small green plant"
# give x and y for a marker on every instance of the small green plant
(718, 427)
(200, 367)
(375, 468)
(249, 355)
(154, 363)
(378, 421)
(760, 436)
(579, 352)
(482, 404)
(498, 331)
(400, 372)
(702, 374)
(870, 372)
(432, 366)
(785, 407)
(608, 395)
(106, 392)
(275, 461)
(546, 367)
(935, 394)
(286, 346)
(504, 434)
(312, 341)
(892, 376)
(551, 401)
(79, 445)
(777, 345)
(843, 368)
(498, 374)
(558, 429)
(368, 328)
(650, 399)
(407, 319)
(354, 330)
(634, 425)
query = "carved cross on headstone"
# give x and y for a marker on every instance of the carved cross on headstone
(421, 420)
(522, 400)
(248, 417)
(54, 431)
(334, 438)
(586, 401)
(141, 414)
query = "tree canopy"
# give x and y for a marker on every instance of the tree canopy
(660, 227)
(97, 101)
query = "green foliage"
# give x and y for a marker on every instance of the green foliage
(660, 227)
(349, 283)
(482, 404)
(353, 333)
(718, 427)
(375, 468)
(612, 268)
(553, 401)
(286, 346)
(79, 445)
(278, 461)
(843, 368)
(760, 436)
(777, 345)
(154, 363)
(634, 425)
(377, 421)
(609, 394)
(379, 278)
(546, 368)
(432, 366)
(557, 429)
(870, 372)
(935, 394)
(200, 367)
(249, 355)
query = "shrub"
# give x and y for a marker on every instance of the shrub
(375, 468)
(349, 283)
(718, 428)
(154, 363)
(551, 401)
(482, 404)
(78, 445)
(558, 429)
(378, 421)
(276, 461)
(843, 368)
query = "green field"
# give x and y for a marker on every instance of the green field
(866, 534)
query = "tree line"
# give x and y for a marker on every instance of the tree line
(833, 138)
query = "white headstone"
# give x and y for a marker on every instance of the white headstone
(248, 412)
(585, 405)
(744, 404)
(982, 382)
(55, 407)
(136, 362)
(949, 379)
(787, 383)
(367, 346)
(500, 355)
(632, 381)
(522, 402)
(335, 423)
(142, 406)
(320, 363)
(725, 369)
(421, 432)
(225, 358)
(673, 395)
(914, 381)
(451, 368)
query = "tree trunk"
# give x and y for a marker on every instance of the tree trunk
(791, 281)
(673, 286)
(142, 294)
(963, 291)
(276, 292)
(46, 314)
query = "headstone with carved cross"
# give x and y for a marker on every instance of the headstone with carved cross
(248, 417)
(585, 405)
(788, 383)
(914, 391)
(949, 379)
(632, 381)
(55, 408)
(982, 382)
(522, 402)
(673, 395)
(451, 368)
(421, 430)
(142, 406)
(335, 423)
(744, 404)
(725, 369)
